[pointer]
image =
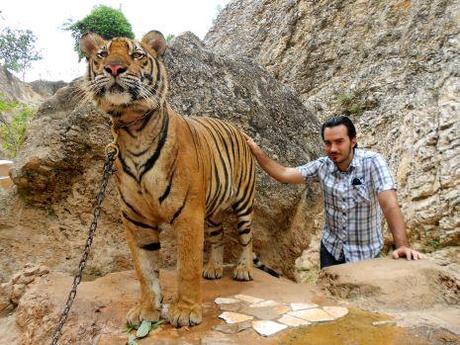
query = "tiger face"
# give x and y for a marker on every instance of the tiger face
(125, 73)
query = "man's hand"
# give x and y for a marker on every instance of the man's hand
(252, 144)
(408, 253)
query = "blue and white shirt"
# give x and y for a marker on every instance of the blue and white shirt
(353, 216)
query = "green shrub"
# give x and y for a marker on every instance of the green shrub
(13, 131)
(103, 20)
(169, 38)
(350, 104)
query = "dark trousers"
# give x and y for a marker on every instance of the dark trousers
(326, 259)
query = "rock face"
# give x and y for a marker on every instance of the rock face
(388, 284)
(14, 89)
(58, 171)
(47, 88)
(391, 65)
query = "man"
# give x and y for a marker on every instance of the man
(355, 183)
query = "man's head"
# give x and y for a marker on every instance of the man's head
(339, 136)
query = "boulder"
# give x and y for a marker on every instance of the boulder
(386, 284)
(47, 88)
(13, 89)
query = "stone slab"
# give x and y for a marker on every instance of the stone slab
(302, 306)
(336, 312)
(267, 328)
(231, 317)
(292, 321)
(312, 315)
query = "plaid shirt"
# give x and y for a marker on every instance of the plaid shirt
(352, 212)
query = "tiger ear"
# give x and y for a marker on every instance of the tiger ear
(90, 42)
(156, 41)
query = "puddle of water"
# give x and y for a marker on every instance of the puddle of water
(354, 329)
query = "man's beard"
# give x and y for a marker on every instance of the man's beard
(343, 157)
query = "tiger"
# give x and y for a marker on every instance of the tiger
(171, 170)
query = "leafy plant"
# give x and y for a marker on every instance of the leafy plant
(350, 104)
(356, 109)
(434, 244)
(103, 20)
(13, 131)
(17, 49)
(7, 105)
(169, 38)
(142, 330)
(345, 99)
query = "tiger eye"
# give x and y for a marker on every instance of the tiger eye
(138, 55)
(102, 54)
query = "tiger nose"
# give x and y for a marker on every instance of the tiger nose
(115, 69)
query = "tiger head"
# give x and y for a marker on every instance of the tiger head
(125, 74)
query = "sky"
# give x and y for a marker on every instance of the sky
(60, 62)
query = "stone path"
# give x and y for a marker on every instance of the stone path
(268, 317)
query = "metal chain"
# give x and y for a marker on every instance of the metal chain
(112, 152)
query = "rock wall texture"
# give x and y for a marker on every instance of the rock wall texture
(57, 173)
(391, 65)
(47, 88)
(13, 89)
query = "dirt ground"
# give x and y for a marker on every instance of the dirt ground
(98, 315)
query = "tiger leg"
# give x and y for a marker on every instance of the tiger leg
(215, 235)
(144, 245)
(243, 270)
(189, 227)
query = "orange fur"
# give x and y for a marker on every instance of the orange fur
(185, 172)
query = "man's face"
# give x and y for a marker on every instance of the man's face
(338, 145)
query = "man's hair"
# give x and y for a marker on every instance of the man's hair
(340, 120)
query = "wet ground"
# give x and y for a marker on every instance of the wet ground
(357, 328)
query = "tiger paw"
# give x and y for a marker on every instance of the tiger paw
(142, 312)
(212, 271)
(181, 315)
(242, 273)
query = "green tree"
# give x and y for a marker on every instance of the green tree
(17, 49)
(13, 127)
(103, 20)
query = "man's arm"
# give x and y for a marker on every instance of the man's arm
(274, 169)
(389, 204)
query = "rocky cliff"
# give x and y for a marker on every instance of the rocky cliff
(391, 65)
(13, 89)
(47, 88)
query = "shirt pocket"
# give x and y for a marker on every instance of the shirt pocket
(360, 194)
